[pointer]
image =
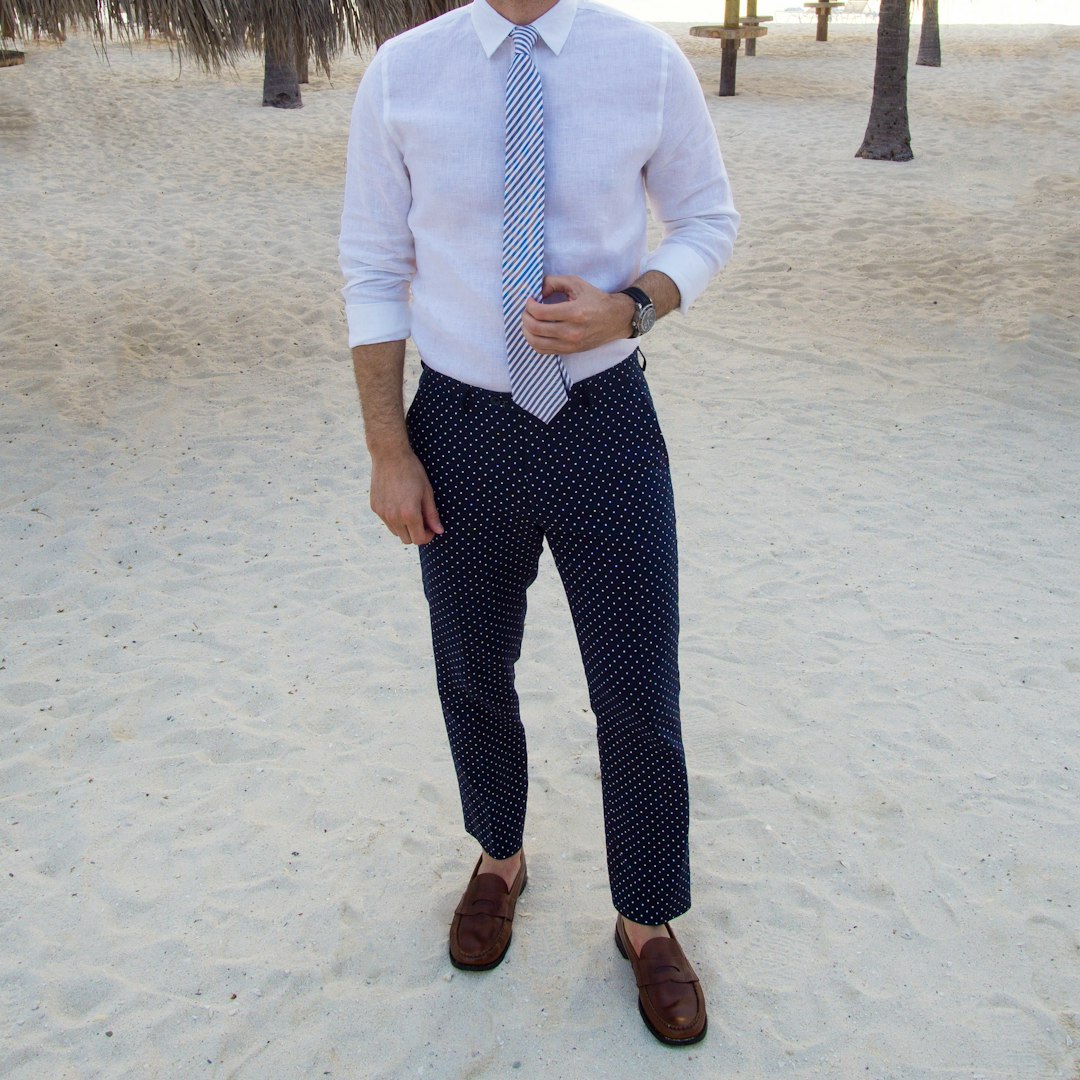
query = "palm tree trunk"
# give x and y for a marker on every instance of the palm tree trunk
(281, 87)
(930, 38)
(888, 137)
(301, 57)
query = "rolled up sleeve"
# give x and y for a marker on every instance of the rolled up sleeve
(376, 250)
(688, 188)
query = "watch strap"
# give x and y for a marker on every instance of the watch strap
(639, 296)
(641, 321)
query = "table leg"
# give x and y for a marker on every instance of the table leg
(751, 13)
(728, 57)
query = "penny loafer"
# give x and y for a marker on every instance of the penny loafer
(483, 921)
(669, 994)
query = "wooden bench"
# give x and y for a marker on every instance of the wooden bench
(823, 8)
(730, 36)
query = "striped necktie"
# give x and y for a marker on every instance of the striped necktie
(538, 383)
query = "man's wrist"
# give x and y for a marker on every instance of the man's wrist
(387, 448)
(661, 289)
(644, 316)
(627, 310)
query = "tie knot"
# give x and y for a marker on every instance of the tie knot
(524, 39)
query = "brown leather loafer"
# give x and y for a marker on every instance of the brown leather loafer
(483, 921)
(669, 995)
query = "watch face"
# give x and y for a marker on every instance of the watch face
(646, 319)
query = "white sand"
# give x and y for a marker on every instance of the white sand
(230, 832)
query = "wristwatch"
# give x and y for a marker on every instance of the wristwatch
(645, 317)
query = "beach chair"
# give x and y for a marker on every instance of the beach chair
(855, 11)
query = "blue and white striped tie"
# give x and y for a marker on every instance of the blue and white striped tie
(538, 383)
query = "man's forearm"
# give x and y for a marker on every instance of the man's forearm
(661, 290)
(379, 373)
(400, 491)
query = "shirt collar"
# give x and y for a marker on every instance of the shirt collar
(553, 26)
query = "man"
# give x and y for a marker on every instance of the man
(499, 161)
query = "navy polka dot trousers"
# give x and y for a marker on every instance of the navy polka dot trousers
(595, 484)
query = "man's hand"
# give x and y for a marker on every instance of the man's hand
(401, 495)
(586, 319)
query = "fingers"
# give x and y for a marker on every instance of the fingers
(410, 528)
(417, 525)
(550, 312)
(554, 337)
(569, 284)
(431, 515)
(557, 291)
(407, 525)
(416, 531)
(559, 328)
(556, 327)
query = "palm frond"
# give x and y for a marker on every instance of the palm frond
(215, 32)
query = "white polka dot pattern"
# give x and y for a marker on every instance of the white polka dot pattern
(595, 484)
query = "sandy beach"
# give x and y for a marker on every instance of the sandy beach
(231, 840)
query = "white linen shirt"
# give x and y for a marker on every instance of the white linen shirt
(624, 118)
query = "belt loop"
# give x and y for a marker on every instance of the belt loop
(467, 398)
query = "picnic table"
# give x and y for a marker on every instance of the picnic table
(731, 33)
(751, 18)
(823, 9)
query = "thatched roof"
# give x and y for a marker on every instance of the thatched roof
(212, 32)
